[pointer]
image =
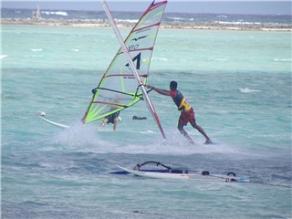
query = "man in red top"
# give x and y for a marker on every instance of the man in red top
(187, 112)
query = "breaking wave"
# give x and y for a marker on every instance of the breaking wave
(127, 20)
(59, 13)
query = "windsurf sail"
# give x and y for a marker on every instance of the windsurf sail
(118, 88)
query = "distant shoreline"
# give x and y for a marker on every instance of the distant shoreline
(164, 25)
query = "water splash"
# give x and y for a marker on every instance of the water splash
(104, 140)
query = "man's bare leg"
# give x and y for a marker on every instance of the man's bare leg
(184, 133)
(115, 123)
(201, 130)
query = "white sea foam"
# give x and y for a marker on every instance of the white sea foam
(37, 49)
(59, 13)
(3, 56)
(75, 50)
(247, 90)
(179, 146)
(88, 138)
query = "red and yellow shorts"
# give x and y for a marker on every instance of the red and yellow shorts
(186, 116)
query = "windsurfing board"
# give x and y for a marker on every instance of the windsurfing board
(42, 116)
(191, 176)
(156, 175)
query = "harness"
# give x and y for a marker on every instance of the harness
(180, 100)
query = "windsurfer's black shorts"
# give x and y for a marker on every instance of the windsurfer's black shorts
(111, 118)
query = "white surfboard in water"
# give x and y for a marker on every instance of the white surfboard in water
(191, 175)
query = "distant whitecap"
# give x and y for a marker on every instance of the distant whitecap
(239, 22)
(37, 49)
(127, 20)
(3, 56)
(222, 16)
(221, 59)
(75, 50)
(162, 59)
(176, 18)
(282, 60)
(248, 90)
(59, 13)
(147, 132)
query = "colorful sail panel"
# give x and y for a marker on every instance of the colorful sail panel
(118, 88)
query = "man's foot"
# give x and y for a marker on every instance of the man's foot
(208, 141)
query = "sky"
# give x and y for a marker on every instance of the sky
(184, 6)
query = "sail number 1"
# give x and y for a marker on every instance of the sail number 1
(136, 59)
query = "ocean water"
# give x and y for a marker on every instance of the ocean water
(239, 84)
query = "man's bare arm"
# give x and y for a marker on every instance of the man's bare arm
(160, 91)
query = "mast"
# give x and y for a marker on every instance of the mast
(133, 68)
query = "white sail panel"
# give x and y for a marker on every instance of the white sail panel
(118, 88)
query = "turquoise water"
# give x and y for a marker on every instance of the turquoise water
(239, 84)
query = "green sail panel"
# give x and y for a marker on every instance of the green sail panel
(118, 88)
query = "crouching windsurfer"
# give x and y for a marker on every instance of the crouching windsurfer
(187, 112)
(112, 118)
